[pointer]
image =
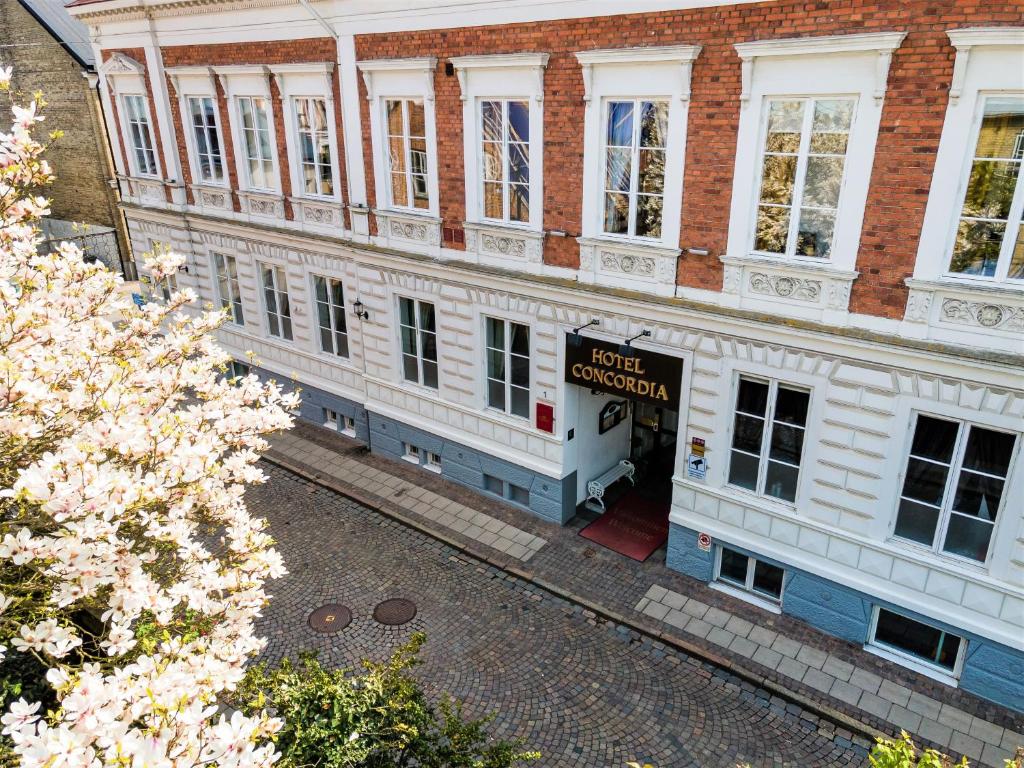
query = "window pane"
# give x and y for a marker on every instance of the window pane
(916, 522)
(653, 123)
(519, 202)
(429, 374)
(990, 189)
(492, 121)
(648, 215)
(520, 404)
(493, 201)
(620, 124)
(326, 339)
(925, 481)
(968, 537)
(427, 316)
(393, 108)
(496, 394)
(734, 567)
(494, 485)
(1001, 125)
(409, 369)
(978, 495)
(652, 171)
(791, 406)
(988, 451)
(778, 178)
(407, 311)
(768, 579)
(911, 636)
(518, 163)
(977, 247)
(821, 185)
(520, 371)
(399, 191)
(417, 122)
(520, 339)
(495, 333)
(814, 238)
(429, 343)
(496, 364)
(785, 122)
(618, 167)
(831, 126)
(748, 433)
(934, 438)
(1016, 270)
(494, 164)
(616, 213)
(787, 443)
(772, 229)
(743, 470)
(752, 397)
(408, 341)
(519, 121)
(396, 153)
(780, 481)
(519, 495)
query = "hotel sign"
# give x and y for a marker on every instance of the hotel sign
(646, 376)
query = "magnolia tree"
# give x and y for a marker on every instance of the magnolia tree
(129, 566)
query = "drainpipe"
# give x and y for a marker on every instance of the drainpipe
(323, 22)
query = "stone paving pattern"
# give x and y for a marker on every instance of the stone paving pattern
(942, 724)
(584, 691)
(616, 584)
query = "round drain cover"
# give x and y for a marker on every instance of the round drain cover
(395, 611)
(330, 618)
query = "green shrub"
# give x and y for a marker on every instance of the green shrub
(380, 718)
(901, 753)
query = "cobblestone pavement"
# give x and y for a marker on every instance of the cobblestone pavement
(583, 691)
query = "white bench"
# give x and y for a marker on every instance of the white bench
(597, 486)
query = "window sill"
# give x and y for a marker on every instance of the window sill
(347, 432)
(504, 245)
(959, 306)
(781, 505)
(921, 551)
(429, 468)
(916, 665)
(410, 230)
(211, 197)
(818, 291)
(262, 204)
(645, 266)
(412, 459)
(748, 597)
(323, 213)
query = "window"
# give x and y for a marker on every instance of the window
(505, 159)
(257, 145)
(410, 453)
(167, 286)
(419, 342)
(506, 490)
(140, 136)
(508, 367)
(750, 574)
(634, 157)
(275, 295)
(432, 462)
(207, 139)
(768, 438)
(989, 238)
(330, 313)
(802, 168)
(922, 642)
(237, 370)
(407, 153)
(332, 419)
(953, 486)
(314, 147)
(228, 294)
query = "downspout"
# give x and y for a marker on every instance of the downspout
(323, 22)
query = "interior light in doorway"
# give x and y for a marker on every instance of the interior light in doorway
(626, 349)
(575, 339)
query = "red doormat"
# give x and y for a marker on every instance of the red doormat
(634, 526)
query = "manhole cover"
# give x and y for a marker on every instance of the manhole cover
(330, 618)
(395, 611)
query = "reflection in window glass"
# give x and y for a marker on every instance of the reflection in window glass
(259, 157)
(928, 643)
(805, 148)
(207, 142)
(315, 154)
(275, 297)
(419, 341)
(505, 159)
(330, 313)
(140, 136)
(750, 574)
(634, 158)
(508, 367)
(988, 243)
(407, 153)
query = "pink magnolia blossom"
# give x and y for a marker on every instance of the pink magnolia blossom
(128, 453)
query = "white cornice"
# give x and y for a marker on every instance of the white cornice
(667, 54)
(500, 61)
(800, 46)
(397, 65)
(880, 43)
(965, 39)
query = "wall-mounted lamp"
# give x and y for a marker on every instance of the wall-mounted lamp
(626, 349)
(697, 251)
(574, 338)
(359, 311)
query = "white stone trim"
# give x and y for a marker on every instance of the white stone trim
(318, 215)
(614, 263)
(505, 246)
(808, 289)
(262, 207)
(408, 232)
(966, 39)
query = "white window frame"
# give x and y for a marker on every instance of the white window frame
(270, 180)
(506, 322)
(766, 436)
(278, 275)
(747, 593)
(334, 311)
(854, 66)
(949, 491)
(802, 160)
(400, 79)
(237, 369)
(234, 287)
(432, 461)
(987, 64)
(196, 156)
(332, 419)
(198, 82)
(412, 453)
(501, 77)
(312, 80)
(636, 74)
(249, 82)
(909, 660)
(418, 330)
(127, 122)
